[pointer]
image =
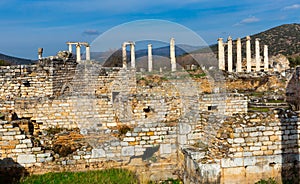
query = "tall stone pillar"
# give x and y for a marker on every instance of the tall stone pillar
(40, 53)
(78, 56)
(150, 67)
(70, 47)
(238, 55)
(221, 54)
(229, 54)
(87, 53)
(132, 53)
(172, 55)
(257, 55)
(124, 56)
(266, 58)
(248, 53)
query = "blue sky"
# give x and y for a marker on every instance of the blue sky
(29, 24)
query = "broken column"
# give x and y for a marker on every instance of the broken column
(172, 55)
(132, 52)
(78, 56)
(124, 56)
(40, 53)
(150, 67)
(229, 54)
(221, 54)
(238, 55)
(257, 55)
(266, 58)
(87, 52)
(248, 53)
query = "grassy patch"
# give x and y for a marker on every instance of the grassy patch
(109, 176)
(275, 101)
(257, 94)
(198, 75)
(259, 109)
(268, 181)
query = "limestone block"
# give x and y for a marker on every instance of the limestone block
(26, 141)
(184, 128)
(165, 149)
(26, 159)
(268, 133)
(228, 162)
(8, 138)
(182, 139)
(239, 140)
(98, 153)
(19, 146)
(249, 161)
(129, 139)
(10, 133)
(20, 136)
(127, 151)
(36, 149)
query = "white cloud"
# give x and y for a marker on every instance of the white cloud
(248, 20)
(292, 7)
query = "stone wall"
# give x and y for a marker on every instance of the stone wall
(248, 148)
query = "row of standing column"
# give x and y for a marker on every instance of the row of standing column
(150, 59)
(78, 52)
(221, 55)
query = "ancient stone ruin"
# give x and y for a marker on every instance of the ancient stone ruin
(69, 114)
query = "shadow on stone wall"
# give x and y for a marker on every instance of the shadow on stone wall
(290, 131)
(11, 171)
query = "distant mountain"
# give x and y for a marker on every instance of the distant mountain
(284, 39)
(10, 60)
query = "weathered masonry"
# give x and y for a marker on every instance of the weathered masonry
(66, 113)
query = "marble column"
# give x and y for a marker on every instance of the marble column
(150, 67)
(172, 55)
(238, 55)
(229, 54)
(87, 53)
(248, 53)
(70, 47)
(132, 55)
(257, 55)
(124, 55)
(221, 54)
(266, 58)
(78, 56)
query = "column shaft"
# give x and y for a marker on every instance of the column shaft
(238, 55)
(87, 53)
(150, 67)
(248, 53)
(172, 55)
(221, 54)
(124, 55)
(229, 54)
(132, 52)
(257, 55)
(78, 55)
(266, 58)
(70, 48)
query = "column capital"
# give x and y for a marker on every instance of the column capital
(248, 38)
